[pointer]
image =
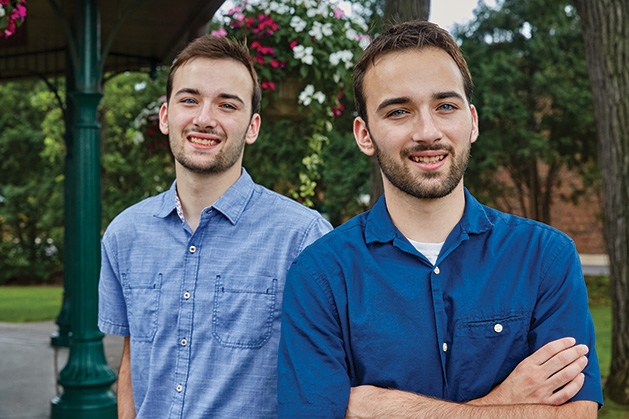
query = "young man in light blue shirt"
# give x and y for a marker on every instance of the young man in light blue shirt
(193, 278)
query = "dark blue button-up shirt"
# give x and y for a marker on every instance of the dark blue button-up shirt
(362, 306)
(202, 308)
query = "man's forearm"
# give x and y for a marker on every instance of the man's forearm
(126, 405)
(369, 402)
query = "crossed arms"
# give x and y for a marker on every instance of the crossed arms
(530, 391)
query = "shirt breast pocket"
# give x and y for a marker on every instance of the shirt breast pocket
(244, 308)
(142, 291)
(484, 353)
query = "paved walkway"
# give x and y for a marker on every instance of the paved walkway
(29, 366)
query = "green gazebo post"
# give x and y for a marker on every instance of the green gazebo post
(61, 337)
(86, 379)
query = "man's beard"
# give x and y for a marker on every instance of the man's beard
(216, 164)
(417, 184)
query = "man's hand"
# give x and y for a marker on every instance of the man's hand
(536, 380)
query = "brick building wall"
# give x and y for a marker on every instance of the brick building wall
(582, 222)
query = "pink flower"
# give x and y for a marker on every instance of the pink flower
(4, 2)
(261, 48)
(234, 10)
(293, 44)
(259, 58)
(274, 63)
(338, 110)
(266, 50)
(219, 33)
(268, 85)
(339, 14)
(21, 10)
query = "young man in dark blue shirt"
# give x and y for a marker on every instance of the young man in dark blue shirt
(432, 305)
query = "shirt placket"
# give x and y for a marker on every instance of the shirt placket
(437, 280)
(185, 318)
(441, 319)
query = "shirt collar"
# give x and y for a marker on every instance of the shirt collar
(231, 204)
(380, 228)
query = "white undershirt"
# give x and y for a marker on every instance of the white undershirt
(430, 250)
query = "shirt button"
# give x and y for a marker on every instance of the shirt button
(179, 388)
(445, 347)
(184, 342)
(437, 270)
(193, 249)
(497, 328)
(186, 295)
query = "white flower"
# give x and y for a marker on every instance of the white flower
(320, 30)
(305, 97)
(360, 22)
(303, 53)
(364, 41)
(308, 94)
(321, 10)
(346, 56)
(351, 34)
(280, 8)
(308, 4)
(2, 11)
(319, 96)
(298, 23)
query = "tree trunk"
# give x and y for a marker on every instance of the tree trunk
(395, 11)
(606, 33)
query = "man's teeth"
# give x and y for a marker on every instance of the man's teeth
(203, 141)
(434, 159)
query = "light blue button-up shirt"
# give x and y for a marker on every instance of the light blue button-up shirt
(203, 309)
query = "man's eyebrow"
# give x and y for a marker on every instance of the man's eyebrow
(447, 95)
(196, 92)
(187, 90)
(232, 97)
(393, 101)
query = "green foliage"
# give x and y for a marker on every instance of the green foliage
(533, 97)
(31, 184)
(135, 164)
(273, 161)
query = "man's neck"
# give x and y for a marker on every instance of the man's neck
(199, 191)
(425, 220)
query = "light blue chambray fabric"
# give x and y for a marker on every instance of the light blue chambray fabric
(203, 309)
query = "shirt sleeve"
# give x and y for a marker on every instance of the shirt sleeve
(318, 228)
(112, 309)
(562, 311)
(313, 381)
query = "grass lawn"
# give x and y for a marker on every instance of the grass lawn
(29, 304)
(600, 307)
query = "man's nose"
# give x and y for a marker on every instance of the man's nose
(205, 116)
(427, 128)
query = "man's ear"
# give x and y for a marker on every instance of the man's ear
(475, 130)
(362, 137)
(254, 129)
(163, 118)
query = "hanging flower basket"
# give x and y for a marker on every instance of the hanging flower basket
(12, 16)
(310, 45)
(303, 51)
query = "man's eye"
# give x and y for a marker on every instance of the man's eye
(228, 106)
(395, 113)
(188, 100)
(446, 107)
